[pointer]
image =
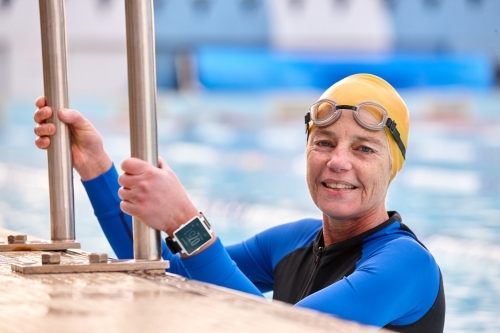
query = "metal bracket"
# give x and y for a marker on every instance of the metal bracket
(77, 261)
(20, 243)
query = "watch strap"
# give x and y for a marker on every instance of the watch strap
(172, 245)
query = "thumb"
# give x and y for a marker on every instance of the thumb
(74, 118)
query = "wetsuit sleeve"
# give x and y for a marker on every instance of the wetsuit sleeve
(254, 262)
(214, 265)
(401, 280)
(116, 225)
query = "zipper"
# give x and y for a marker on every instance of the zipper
(316, 262)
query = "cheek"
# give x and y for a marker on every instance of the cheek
(309, 160)
(313, 167)
(385, 169)
(388, 168)
(309, 171)
(314, 159)
(377, 173)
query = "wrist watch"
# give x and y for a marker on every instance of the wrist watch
(190, 236)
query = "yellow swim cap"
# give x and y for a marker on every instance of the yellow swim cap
(358, 88)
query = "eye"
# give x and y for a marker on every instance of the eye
(324, 143)
(366, 149)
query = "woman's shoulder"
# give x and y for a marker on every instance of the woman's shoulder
(399, 248)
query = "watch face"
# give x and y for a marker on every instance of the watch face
(193, 235)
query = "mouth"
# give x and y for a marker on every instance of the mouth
(338, 186)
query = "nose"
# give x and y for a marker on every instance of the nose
(340, 160)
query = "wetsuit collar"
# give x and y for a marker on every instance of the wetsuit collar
(320, 243)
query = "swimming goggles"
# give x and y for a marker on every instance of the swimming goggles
(369, 115)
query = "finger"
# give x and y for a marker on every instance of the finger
(74, 118)
(41, 102)
(43, 142)
(127, 208)
(124, 194)
(41, 115)
(135, 166)
(127, 181)
(45, 129)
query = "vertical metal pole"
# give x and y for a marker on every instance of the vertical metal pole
(55, 79)
(142, 108)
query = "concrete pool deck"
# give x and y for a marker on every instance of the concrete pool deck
(137, 302)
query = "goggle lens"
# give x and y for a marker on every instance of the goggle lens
(323, 112)
(372, 116)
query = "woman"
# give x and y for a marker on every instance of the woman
(358, 262)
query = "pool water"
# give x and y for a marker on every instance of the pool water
(241, 159)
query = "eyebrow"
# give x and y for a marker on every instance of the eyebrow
(368, 139)
(356, 138)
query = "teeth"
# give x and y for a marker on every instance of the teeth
(339, 186)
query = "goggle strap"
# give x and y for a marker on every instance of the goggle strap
(307, 119)
(346, 107)
(395, 133)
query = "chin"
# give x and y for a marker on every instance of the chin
(340, 214)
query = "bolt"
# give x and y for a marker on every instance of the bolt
(17, 239)
(97, 258)
(51, 258)
(20, 239)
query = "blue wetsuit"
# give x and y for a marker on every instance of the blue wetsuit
(384, 277)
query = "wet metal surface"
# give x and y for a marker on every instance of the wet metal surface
(35, 245)
(55, 79)
(141, 61)
(138, 302)
(76, 261)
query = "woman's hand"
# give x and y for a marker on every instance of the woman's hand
(154, 195)
(87, 148)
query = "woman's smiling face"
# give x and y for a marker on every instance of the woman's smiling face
(348, 169)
